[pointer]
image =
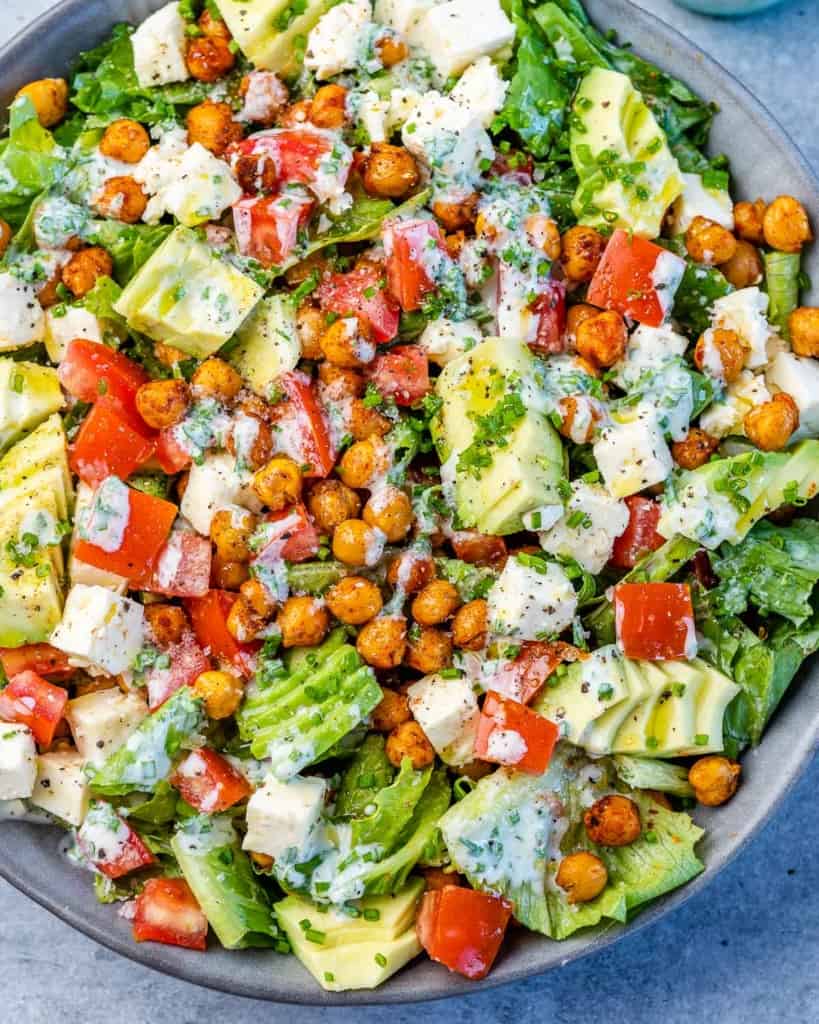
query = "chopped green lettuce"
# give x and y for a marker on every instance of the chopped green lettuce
(129, 245)
(369, 771)
(472, 581)
(651, 773)
(782, 275)
(30, 162)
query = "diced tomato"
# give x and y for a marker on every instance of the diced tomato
(149, 522)
(292, 535)
(703, 570)
(478, 548)
(183, 566)
(640, 536)
(463, 929)
(167, 911)
(31, 700)
(413, 247)
(523, 678)
(182, 663)
(209, 616)
(363, 293)
(125, 852)
(511, 734)
(267, 227)
(89, 370)
(303, 425)
(654, 621)
(170, 454)
(43, 659)
(107, 445)
(402, 374)
(550, 309)
(636, 278)
(209, 782)
(306, 156)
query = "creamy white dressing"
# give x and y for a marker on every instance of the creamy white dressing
(107, 518)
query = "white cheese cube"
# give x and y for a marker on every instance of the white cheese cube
(159, 48)
(447, 138)
(633, 455)
(203, 188)
(337, 41)
(481, 90)
(75, 322)
(649, 348)
(457, 33)
(403, 15)
(100, 630)
(727, 416)
(592, 522)
(103, 720)
(447, 711)
(18, 762)
(799, 377)
(529, 604)
(212, 485)
(444, 340)
(83, 572)
(284, 816)
(402, 106)
(701, 514)
(745, 312)
(157, 170)
(373, 113)
(22, 320)
(698, 201)
(61, 786)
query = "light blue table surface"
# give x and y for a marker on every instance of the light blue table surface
(745, 950)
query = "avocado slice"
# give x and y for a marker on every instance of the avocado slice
(29, 393)
(601, 734)
(715, 692)
(266, 31)
(31, 601)
(39, 462)
(631, 737)
(586, 692)
(673, 726)
(267, 345)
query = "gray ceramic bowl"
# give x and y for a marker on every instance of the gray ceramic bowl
(766, 163)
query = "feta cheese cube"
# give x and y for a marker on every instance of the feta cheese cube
(83, 572)
(447, 138)
(455, 34)
(102, 721)
(159, 48)
(698, 201)
(18, 762)
(403, 15)
(632, 455)
(447, 711)
(402, 106)
(799, 377)
(727, 416)
(202, 189)
(444, 340)
(22, 320)
(75, 322)
(100, 630)
(592, 522)
(214, 484)
(745, 312)
(528, 604)
(335, 44)
(284, 816)
(61, 786)
(373, 113)
(481, 90)
(649, 348)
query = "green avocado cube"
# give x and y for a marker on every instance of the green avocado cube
(267, 31)
(267, 345)
(29, 393)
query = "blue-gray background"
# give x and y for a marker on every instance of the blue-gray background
(747, 949)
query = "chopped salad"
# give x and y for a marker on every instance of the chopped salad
(407, 440)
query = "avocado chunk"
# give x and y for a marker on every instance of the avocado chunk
(267, 345)
(29, 393)
(585, 693)
(501, 456)
(714, 692)
(628, 175)
(267, 31)
(186, 296)
(354, 952)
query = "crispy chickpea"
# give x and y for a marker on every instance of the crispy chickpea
(730, 349)
(440, 878)
(296, 114)
(477, 769)
(786, 225)
(770, 425)
(255, 173)
(577, 314)
(230, 531)
(346, 382)
(613, 821)
(329, 109)
(213, 28)
(803, 325)
(310, 325)
(304, 622)
(390, 511)
(278, 484)
(435, 603)
(695, 450)
(331, 503)
(580, 418)
(454, 243)
(253, 449)
(367, 422)
(391, 50)
(581, 251)
(243, 624)
(5, 236)
(411, 571)
(222, 693)
(354, 600)
(390, 172)
(708, 242)
(80, 274)
(168, 622)
(382, 642)
(163, 403)
(258, 598)
(343, 345)
(262, 860)
(212, 126)
(50, 99)
(469, 626)
(125, 140)
(357, 543)
(715, 779)
(209, 58)
(544, 234)
(457, 215)
(602, 339)
(409, 740)
(583, 876)
(121, 199)
(227, 574)
(168, 355)
(47, 294)
(748, 221)
(429, 651)
(363, 462)
(214, 378)
(745, 267)
(391, 712)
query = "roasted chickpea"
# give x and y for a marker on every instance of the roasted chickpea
(357, 543)
(786, 225)
(580, 418)
(310, 325)
(435, 603)
(581, 251)
(168, 355)
(214, 378)
(715, 779)
(477, 769)
(411, 571)
(389, 510)
(803, 325)
(695, 450)
(163, 403)
(329, 109)
(391, 50)
(296, 114)
(262, 860)
(613, 821)
(250, 441)
(212, 126)
(354, 600)
(209, 58)
(479, 548)
(80, 274)
(391, 712)
(213, 28)
(770, 425)
(708, 242)
(577, 314)
(544, 234)
(343, 381)
(583, 876)
(258, 597)
(222, 693)
(428, 650)
(121, 199)
(457, 215)
(47, 294)
(331, 503)
(49, 97)
(255, 173)
(409, 740)
(231, 530)
(227, 574)
(390, 172)
(168, 622)
(440, 878)
(748, 221)
(304, 622)
(382, 642)
(454, 243)
(5, 236)
(125, 140)
(363, 462)
(723, 347)
(745, 267)
(366, 421)
(469, 626)
(602, 339)
(343, 345)
(243, 624)
(278, 484)
(264, 95)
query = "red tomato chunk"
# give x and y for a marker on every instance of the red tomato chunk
(362, 293)
(654, 621)
(267, 227)
(402, 374)
(107, 445)
(31, 700)
(167, 911)
(640, 536)
(511, 734)
(209, 782)
(89, 370)
(463, 929)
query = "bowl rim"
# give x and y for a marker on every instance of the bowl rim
(804, 745)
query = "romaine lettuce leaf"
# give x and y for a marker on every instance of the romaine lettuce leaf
(391, 809)
(651, 773)
(368, 772)
(30, 162)
(129, 245)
